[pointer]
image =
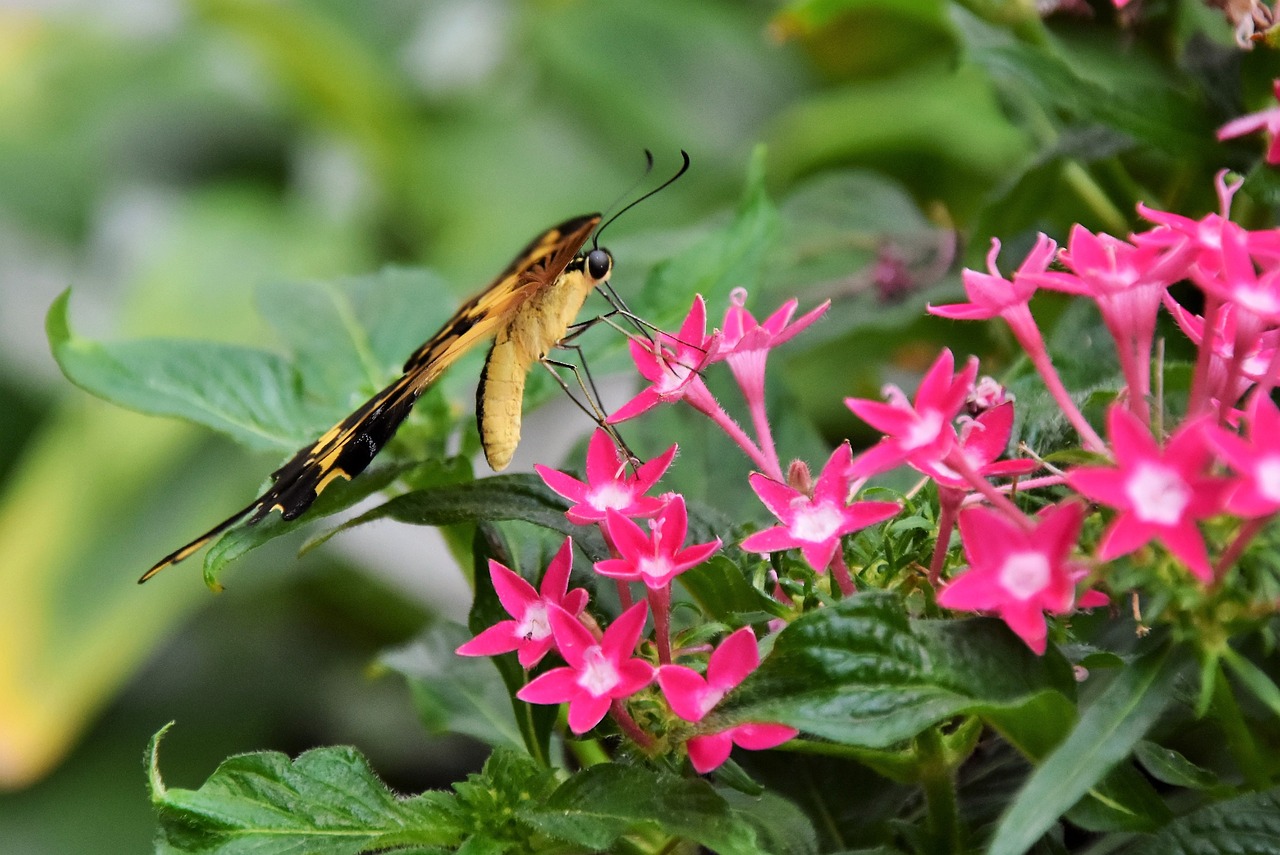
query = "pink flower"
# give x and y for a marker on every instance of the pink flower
(1235, 279)
(1019, 573)
(982, 441)
(692, 696)
(745, 343)
(1228, 377)
(1127, 282)
(671, 365)
(529, 631)
(597, 673)
(1268, 120)
(1257, 459)
(657, 557)
(608, 486)
(991, 295)
(919, 432)
(1160, 493)
(815, 523)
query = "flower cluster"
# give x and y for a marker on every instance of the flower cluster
(1199, 482)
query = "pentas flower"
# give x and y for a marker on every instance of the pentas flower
(1020, 573)
(991, 295)
(1126, 282)
(1268, 120)
(1159, 492)
(814, 523)
(671, 365)
(597, 672)
(745, 342)
(692, 696)
(916, 432)
(1227, 376)
(608, 486)
(529, 631)
(657, 557)
(1256, 457)
(982, 441)
(1187, 240)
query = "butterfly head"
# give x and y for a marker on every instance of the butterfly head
(598, 264)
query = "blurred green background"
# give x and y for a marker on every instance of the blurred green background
(166, 157)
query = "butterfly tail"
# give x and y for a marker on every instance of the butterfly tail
(197, 544)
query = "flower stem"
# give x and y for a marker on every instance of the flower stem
(660, 606)
(957, 461)
(627, 724)
(949, 501)
(840, 572)
(1247, 532)
(1049, 375)
(938, 780)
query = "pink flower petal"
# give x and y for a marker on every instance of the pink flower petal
(735, 658)
(709, 752)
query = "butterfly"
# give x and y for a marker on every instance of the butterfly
(528, 310)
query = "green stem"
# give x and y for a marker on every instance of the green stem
(938, 779)
(1240, 742)
(1087, 190)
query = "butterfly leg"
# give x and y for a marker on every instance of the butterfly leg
(592, 407)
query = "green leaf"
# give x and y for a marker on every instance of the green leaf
(780, 825)
(326, 802)
(1171, 767)
(1249, 823)
(1105, 735)
(724, 593)
(500, 497)
(251, 395)
(336, 498)
(352, 335)
(861, 673)
(596, 807)
(458, 694)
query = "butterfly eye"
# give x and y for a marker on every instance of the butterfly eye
(599, 263)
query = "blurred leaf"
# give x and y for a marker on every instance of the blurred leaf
(780, 826)
(1248, 823)
(1172, 768)
(327, 800)
(459, 694)
(1106, 733)
(860, 673)
(1124, 800)
(866, 38)
(597, 806)
(251, 395)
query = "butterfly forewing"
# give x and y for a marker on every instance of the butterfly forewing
(348, 447)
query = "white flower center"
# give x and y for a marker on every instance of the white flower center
(923, 431)
(1268, 475)
(1157, 494)
(598, 674)
(610, 495)
(655, 567)
(534, 625)
(815, 523)
(674, 376)
(1024, 574)
(1259, 300)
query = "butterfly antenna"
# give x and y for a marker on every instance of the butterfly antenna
(648, 167)
(683, 169)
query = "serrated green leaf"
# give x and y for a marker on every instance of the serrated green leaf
(326, 802)
(861, 673)
(597, 806)
(1105, 734)
(251, 395)
(1248, 823)
(459, 694)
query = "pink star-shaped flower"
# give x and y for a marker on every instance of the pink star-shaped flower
(608, 486)
(1159, 493)
(671, 365)
(917, 432)
(745, 343)
(991, 295)
(982, 441)
(597, 673)
(529, 630)
(1268, 120)
(815, 523)
(657, 557)
(1018, 573)
(692, 696)
(1256, 457)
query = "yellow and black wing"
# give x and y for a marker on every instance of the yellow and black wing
(348, 447)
